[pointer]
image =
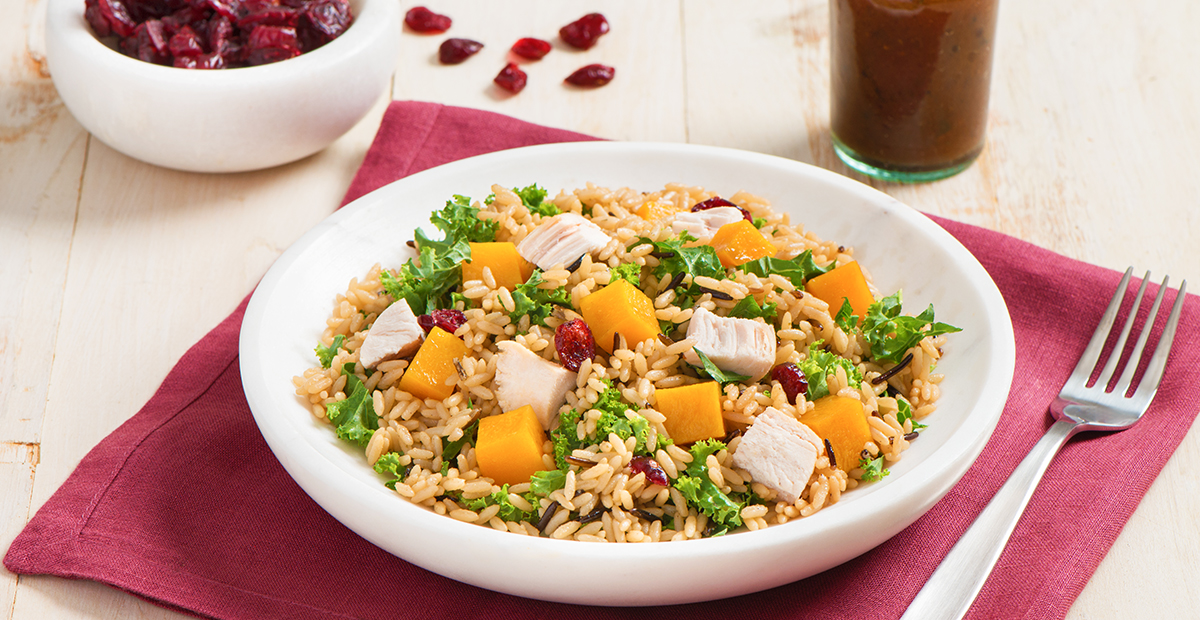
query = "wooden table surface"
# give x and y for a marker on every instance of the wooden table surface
(1093, 151)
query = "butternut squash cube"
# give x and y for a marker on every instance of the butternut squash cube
(433, 364)
(740, 242)
(654, 210)
(843, 422)
(844, 282)
(621, 308)
(509, 446)
(508, 268)
(693, 412)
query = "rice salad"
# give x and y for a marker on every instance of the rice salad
(613, 365)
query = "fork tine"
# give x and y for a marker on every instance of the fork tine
(1091, 355)
(1113, 358)
(1154, 371)
(1135, 356)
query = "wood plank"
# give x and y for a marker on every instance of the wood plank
(643, 102)
(42, 152)
(17, 464)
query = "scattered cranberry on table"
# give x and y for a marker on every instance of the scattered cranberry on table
(592, 76)
(533, 49)
(454, 51)
(511, 78)
(585, 31)
(217, 33)
(422, 19)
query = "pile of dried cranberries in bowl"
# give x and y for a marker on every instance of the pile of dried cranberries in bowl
(217, 34)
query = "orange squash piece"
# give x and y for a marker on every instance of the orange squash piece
(843, 422)
(509, 446)
(426, 376)
(740, 242)
(654, 210)
(693, 412)
(844, 282)
(621, 308)
(508, 268)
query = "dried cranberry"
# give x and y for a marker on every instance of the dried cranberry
(269, 44)
(422, 19)
(583, 32)
(791, 379)
(574, 343)
(592, 75)
(193, 17)
(185, 43)
(533, 49)
(203, 61)
(227, 8)
(511, 78)
(654, 472)
(323, 21)
(454, 51)
(116, 17)
(717, 201)
(152, 42)
(269, 15)
(448, 319)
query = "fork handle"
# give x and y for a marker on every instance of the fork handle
(953, 587)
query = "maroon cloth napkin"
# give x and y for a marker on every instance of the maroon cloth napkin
(185, 505)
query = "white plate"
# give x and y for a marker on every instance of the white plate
(900, 247)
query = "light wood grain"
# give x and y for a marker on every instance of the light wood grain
(1092, 150)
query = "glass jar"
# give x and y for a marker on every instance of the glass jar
(910, 81)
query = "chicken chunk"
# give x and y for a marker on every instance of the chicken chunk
(704, 224)
(779, 452)
(561, 240)
(394, 334)
(525, 378)
(742, 346)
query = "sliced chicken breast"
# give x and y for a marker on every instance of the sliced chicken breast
(561, 240)
(525, 378)
(394, 334)
(742, 346)
(779, 452)
(704, 224)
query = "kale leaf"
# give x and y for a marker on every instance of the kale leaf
(872, 469)
(820, 364)
(674, 258)
(534, 199)
(891, 334)
(845, 317)
(630, 272)
(699, 491)
(390, 464)
(797, 270)
(326, 353)
(353, 416)
(718, 375)
(538, 303)
(508, 511)
(748, 308)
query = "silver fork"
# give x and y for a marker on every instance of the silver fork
(953, 587)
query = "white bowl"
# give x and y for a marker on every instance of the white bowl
(225, 120)
(901, 248)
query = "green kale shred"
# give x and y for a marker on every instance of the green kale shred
(566, 437)
(630, 272)
(538, 303)
(872, 469)
(906, 413)
(534, 199)
(508, 511)
(675, 258)
(718, 375)
(325, 354)
(820, 364)
(389, 464)
(845, 317)
(616, 417)
(353, 416)
(797, 270)
(748, 308)
(891, 334)
(452, 449)
(699, 491)
(543, 483)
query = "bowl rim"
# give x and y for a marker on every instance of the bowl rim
(955, 456)
(65, 21)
